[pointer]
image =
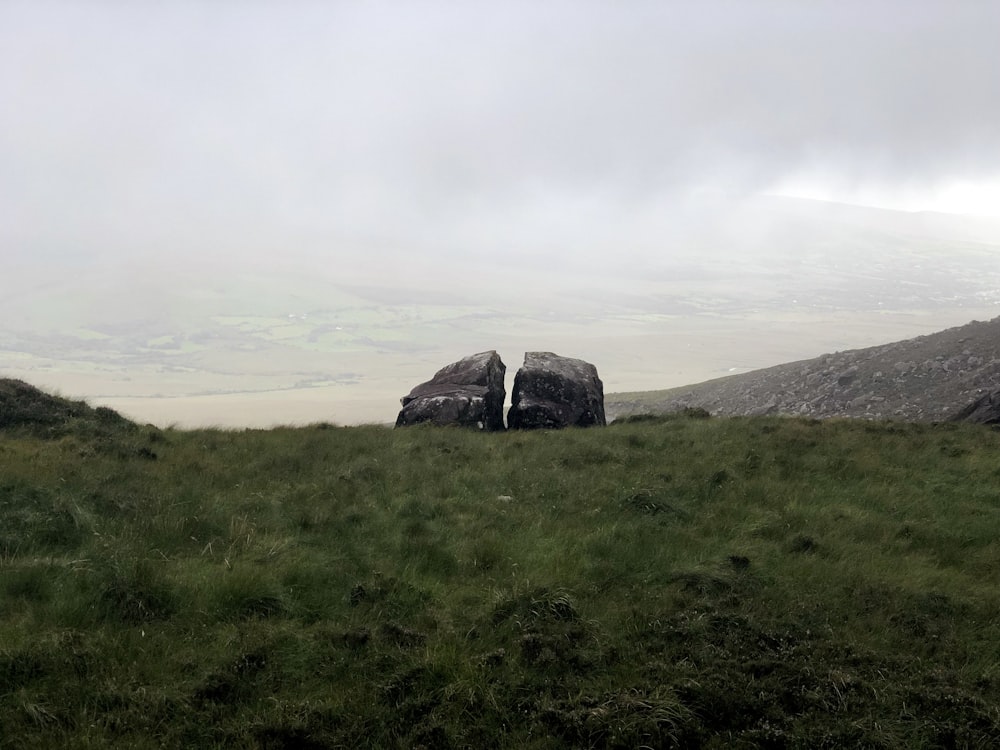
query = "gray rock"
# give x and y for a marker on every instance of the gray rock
(468, 393)
(984, 410)
(847, 376)
(553, 392)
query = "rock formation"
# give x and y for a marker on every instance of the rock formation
(469, 393)
(984, 410)
(552, 391)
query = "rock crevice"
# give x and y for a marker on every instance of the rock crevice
(549, 392)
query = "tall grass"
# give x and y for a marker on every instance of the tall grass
(678, 582)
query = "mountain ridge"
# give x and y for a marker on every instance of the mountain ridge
(927, 378)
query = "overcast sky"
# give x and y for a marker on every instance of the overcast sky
(216, 127)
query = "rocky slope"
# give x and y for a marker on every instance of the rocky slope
(928, 378)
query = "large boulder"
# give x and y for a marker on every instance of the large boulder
(984, 410)
(552, 391)
(468, 393)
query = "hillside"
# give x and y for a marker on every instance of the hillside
(27, 409)
(927, 378)
(664, 583)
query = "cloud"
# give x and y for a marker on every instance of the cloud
(439, 125)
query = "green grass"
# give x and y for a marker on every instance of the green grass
(671, 582)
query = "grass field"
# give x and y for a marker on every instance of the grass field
(671, 582)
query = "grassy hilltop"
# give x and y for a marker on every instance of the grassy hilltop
(678, 582)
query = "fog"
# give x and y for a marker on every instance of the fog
(477, 151)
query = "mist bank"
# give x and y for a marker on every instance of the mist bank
(338, 334)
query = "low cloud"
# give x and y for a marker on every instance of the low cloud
(443, 128)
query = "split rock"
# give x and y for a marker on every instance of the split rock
(468, 393)
(552, 392)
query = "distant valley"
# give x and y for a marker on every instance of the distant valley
(311, 336)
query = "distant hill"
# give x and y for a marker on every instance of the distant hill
(927, 378)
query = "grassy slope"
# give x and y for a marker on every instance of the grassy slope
(681, 582)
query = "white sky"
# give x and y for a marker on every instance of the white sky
(977, 197)
(236, 128)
